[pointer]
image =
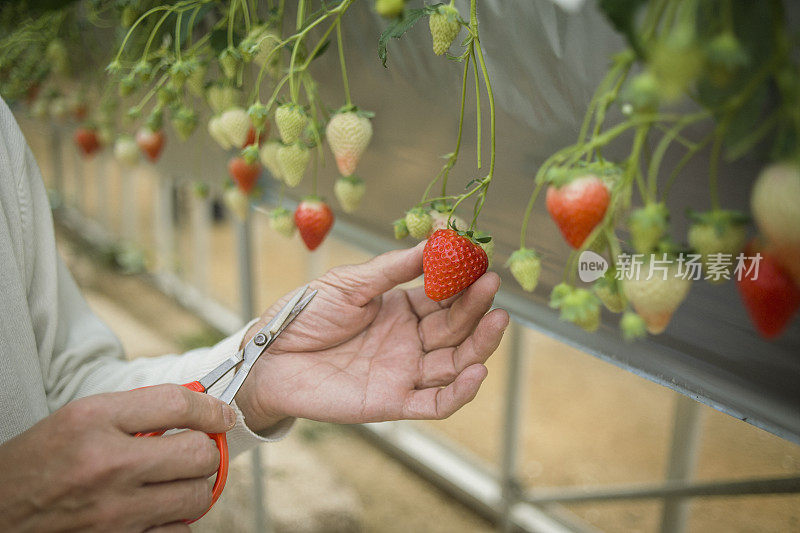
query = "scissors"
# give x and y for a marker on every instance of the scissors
(247, 356)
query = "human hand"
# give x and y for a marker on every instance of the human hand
(81, 468)
(364, 351)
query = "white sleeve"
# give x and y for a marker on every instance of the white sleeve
(78, 354)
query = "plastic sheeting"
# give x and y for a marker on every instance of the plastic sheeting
(545, 63)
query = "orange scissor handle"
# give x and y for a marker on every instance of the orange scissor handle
(222, 445)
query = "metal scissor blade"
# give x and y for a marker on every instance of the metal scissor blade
(265, 337)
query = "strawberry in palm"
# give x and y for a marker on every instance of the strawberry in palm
(577, 206)
(451, 262)
(314, 220)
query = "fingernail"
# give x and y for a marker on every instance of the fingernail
(229, 414)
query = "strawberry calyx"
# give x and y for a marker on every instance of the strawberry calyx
(474, 236)
(352, 108)
(719, 219)
(579, 306)
(250, 154)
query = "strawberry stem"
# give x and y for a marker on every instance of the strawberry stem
(345, 82)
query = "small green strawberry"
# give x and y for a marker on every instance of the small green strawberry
(579, 306)
(419, 223)
(222, 97)
(389, 8)
(293, 160)
(642, 92)
(607, 289)
(558, 293)
(400, 229)
(269, 158)
(282, 221)
(647, 226)
(237, 201)
(230, 59)
(526, 266)
(196, 80)
(258, 115)
(349, 191)
(718, 232)
(291, 120)
(444, 26)
(184, 121)
(633, 326)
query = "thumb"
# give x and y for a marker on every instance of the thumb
(384, 272)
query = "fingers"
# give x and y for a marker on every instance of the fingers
(450, 326)
(164, 503)
(167, 407)
(438, 403)
(185, 455)
(175, 527)
(382, 273)
(442, 366)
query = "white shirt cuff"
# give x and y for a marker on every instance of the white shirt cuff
(240, 438)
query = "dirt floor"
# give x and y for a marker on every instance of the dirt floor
(586, 423)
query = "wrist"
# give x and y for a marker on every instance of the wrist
(257, 416)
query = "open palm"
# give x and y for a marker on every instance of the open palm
(365, 351)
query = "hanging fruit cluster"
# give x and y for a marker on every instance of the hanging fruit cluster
(730, 66)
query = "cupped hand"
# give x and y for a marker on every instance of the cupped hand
(367, 351)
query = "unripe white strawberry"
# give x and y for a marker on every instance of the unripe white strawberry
(718, 232)
(526, 267)
(293, 160)
(217, 133)
(444, 27)
(348, 135)
(291, 120)
(418, 223)
(349, 191)
(235, 124)
(237, 202)
(282, 221)
(657, 298)
(774, 202)
(221, 98)
(126, 151)
(269, 158)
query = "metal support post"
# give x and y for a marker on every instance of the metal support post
(682, 460)
(245, 253)
(510, 489)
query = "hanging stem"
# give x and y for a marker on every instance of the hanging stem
(345, 83)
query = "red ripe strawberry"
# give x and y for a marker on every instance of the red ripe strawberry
(771, 298)
(244, 174)
(314, 220)
(578, 206)
(150, 143)
(451, 263)
(87, 141)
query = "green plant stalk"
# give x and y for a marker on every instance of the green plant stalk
(231, 20)
(345, 82)
(682, 163)
(478, 129)
(665, 142)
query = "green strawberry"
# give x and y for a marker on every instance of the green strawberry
(196, 80)
(291, 120)
(221, 97)
(642, 92)
(718, 232)
(647, 226)
(578, 306)
(293, 160)
(258, 115)
(419, 223)
(526, 266)
(184, 120)
(282, 221)
(230, 59)
(607, 289)
(349, 191)
(444, 25)
(400, 229)
(633, 326)
(390, 8)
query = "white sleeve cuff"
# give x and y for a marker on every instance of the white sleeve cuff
(240, 438)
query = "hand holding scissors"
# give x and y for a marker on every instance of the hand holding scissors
(245, 357)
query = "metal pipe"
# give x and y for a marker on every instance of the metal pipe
(682, 461)
(245, 259)
(510, 489)
(677, 488)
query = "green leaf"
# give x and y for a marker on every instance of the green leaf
(400, 26)
(321, 50)
(622, 15)
(483, 240)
